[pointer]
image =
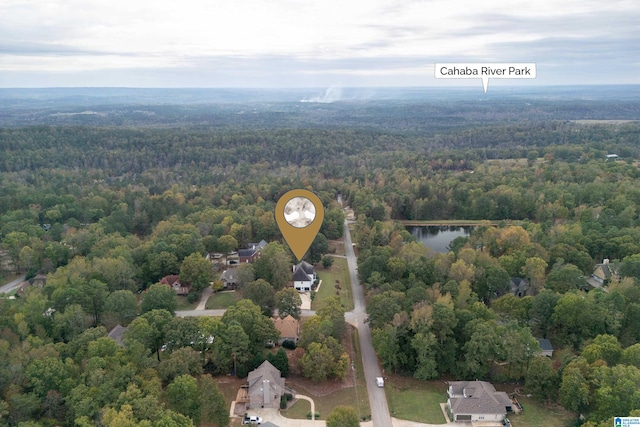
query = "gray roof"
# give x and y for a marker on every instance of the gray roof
(258, 246)
(477, 397)
(545, 344)
(266, 371)
(230, 276)
(247, 252)
(265, 374)
(518, 284)
(116, 333)
(308, 268)
(301, 276)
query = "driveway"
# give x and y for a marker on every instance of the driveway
(12, 285)
(274, 416)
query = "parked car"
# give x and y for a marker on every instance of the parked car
(253, 419)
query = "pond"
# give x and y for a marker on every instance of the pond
(438, 238)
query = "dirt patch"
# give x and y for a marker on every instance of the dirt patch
(228, 386)
(336, 246)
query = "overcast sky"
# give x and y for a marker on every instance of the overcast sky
(304, 43)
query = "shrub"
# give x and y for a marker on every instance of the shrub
(289, 344)
(327, 261)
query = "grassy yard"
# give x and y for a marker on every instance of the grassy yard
(537, 414)
(298, 410)
(415, 400)
(338, 271)
(362, 397)
(324, 404)
(183, 304)
(221, 300)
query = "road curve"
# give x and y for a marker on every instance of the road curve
(5, 289)
(377, 398)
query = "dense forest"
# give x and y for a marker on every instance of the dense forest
(107, 204)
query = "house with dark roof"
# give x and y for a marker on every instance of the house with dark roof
(304, 275)
(546, 349)
(258, 246)
(229, 278)
(247, 255)
(252, 252)
(174, 282)
(265, 386)
(477, 401)
(289, 329)
(519, 286)
(301, 281)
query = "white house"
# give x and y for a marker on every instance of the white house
(303, 276)
(477, 401)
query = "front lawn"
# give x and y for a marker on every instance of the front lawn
(184, 304)
(222, 300)
(415, 400)
(338, 271)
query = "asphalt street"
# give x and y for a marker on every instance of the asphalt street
(377, 398)
(11, 285)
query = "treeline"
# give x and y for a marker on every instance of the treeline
(543, 188)
(119, 151)
(457, 314)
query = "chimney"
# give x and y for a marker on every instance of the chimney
(605, 261)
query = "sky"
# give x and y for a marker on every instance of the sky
(304, 43)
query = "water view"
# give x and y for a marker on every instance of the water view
(438, 238)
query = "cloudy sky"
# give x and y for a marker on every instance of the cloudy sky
(311, 43)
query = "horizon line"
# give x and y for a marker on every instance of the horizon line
(500, 86)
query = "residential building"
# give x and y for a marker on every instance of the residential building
(603, 273)
(519, 286)
(229, 278)
(247, 255)
(265, 386)
(546, 349)
(304, 276)
(477, 401)
(289, 329)
(174, 282)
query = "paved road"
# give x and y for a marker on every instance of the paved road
(11, 285)
(377, 397)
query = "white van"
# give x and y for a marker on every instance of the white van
(380, 381)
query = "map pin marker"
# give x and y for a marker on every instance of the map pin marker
(299, 214)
